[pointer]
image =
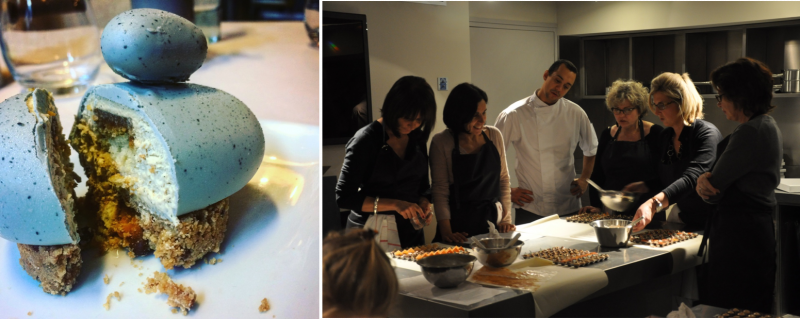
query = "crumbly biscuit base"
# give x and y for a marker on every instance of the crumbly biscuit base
(56, 267)
(196, 234)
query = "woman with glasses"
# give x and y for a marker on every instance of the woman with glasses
(742, 184)
(385, 169)
(627, 150)
(687, 148)
(468, 167)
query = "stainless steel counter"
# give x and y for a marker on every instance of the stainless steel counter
(626, 268)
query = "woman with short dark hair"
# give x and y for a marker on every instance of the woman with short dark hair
(742, 184)
(471, 184)
(385, 169)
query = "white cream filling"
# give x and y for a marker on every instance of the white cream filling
(145, 169)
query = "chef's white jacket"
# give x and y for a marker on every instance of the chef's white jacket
(545, 137)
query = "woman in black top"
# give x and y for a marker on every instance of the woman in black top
(743, 184)
(385, 167)
(627, 151)
(687, 148)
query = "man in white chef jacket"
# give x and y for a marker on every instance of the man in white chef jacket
(545, 128)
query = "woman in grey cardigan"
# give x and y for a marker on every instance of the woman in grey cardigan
(743, 183)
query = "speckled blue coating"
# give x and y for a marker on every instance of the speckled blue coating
(153, 46)
(30, 212)
(215, 140)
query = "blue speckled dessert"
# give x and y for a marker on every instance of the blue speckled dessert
(159, 158)
(162, 157)
(37, 190)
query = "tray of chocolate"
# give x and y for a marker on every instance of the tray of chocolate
(586, 218)
(568, 256)
(419, 252)
(662, 237)
(736, 313)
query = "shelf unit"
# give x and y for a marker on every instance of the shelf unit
(642, 56)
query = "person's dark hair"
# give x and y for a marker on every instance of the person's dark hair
(410, 96)
(357, 277)
(461, 104)
(747, 82)
(554, 67)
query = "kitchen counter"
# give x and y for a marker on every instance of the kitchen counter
(633, 272)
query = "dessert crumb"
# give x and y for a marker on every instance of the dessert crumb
(117, 295)
(30, 313)
(140, 274)
(106, 279)
(107, 305)
(122, 283)
(177, 295)
(264, 305)
(174, 310)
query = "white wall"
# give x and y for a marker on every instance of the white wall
(583, 18)
(528, 11)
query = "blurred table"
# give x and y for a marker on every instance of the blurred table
(271, 66)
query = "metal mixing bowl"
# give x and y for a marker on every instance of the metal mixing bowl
(612, 232)
(617, 200)
(447, 271)
(494, 255)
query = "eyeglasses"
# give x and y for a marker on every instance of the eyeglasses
(625, 111)
(719, 97)
(662, 106)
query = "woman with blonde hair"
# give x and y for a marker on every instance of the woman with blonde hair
(687, 149)
(357, 277)
(627, 150)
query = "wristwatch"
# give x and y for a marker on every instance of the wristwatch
(659, 205)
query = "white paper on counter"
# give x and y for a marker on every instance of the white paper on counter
(561, 228)
(684, 254)
(563, 288)
(538, 222)
(466, 293)
(567, 287)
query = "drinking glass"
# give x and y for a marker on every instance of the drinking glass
(311, 20)
(206, 17)
(52, 44)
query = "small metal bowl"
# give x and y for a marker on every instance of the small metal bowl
(617, 200)
(447, 271)
(612, 232)
(496, 257)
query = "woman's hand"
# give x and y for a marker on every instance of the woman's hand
(407, 209)
(645, 210)
(448, 235)
(637, 187)
(520, 196)
(589, 209)
(506, 227)
(425, 204)
(704, 187)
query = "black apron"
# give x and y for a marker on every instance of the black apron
(741, 266)
(475, 191)
(401, 180)
(627, 162)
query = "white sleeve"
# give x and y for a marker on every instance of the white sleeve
(588, 139)
(508, 126)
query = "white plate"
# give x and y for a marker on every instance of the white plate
(271, 250)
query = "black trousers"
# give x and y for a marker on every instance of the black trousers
(524, 216)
